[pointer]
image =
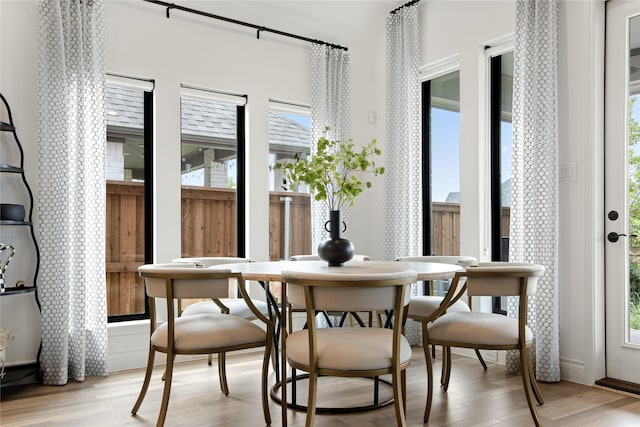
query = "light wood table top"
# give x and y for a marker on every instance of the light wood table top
(272, 270)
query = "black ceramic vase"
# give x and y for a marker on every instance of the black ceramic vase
(335, 250)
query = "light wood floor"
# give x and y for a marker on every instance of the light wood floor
(475, 398)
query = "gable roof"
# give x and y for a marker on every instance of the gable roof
(202, 119)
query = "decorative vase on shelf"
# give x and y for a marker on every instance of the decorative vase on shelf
(335, 250)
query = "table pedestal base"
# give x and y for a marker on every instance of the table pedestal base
(293, 404)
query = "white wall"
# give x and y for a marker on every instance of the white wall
(462, 29)
(186, 49)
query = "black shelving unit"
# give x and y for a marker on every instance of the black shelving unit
(19, 373)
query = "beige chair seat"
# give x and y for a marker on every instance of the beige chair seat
(337, 347)
(478, 328)
(237, 307)
(204, 331)
(425, 305)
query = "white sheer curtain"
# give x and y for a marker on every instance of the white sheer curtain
(72, 135)
(534, 185)
(403, 151)
(330, 107)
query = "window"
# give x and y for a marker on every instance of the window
(441, 163)
(289, 211)
(212, 174)
(129, 195)
(501, 90)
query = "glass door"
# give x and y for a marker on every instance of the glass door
(622, 191)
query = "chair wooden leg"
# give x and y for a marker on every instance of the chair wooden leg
(525, 370)
(294, 386)
(222, 373)
(481, 359)
(443, 368)
(265, 381)
(534, 385)
(290, 319)
(427, 409)
(167, 390)
(396, 382)
(403, 378)
(447, 351)
(311, 400)
(145, 384)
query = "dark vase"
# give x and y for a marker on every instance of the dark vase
(335, 250)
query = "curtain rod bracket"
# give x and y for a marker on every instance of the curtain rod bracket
(258, 34)
(410, 3)
(169, 7)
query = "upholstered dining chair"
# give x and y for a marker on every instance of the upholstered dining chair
(488, 331)
(343, 316)
(350, 351)
(199, 333)
(231, 304)
(422, 307)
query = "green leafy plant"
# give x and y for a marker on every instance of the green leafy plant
(334, 173)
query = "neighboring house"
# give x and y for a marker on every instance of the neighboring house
(454, 196)
(207, 127)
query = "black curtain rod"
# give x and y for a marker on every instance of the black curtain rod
(260, 28)
(411, 3)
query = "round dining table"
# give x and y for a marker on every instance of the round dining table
(271, 271)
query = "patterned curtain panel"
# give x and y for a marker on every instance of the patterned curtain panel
(403, 151)
(330, 107)
(534, 186)
(72, 135)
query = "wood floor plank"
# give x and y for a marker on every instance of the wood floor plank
(474, 398)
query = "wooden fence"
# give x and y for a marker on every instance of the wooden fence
(209, 229)
(125, 247)
(445, 219)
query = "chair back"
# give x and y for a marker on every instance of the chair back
(503, 279)
(185, 280)
(464, 261)
(349, 292)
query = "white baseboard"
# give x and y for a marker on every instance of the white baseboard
(574, 371)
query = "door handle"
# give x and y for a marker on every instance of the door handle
(613, 236)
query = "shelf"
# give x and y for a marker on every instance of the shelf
(6, 127)
(11, 222)
(10, 168)
(25, 371)
(15, 291)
